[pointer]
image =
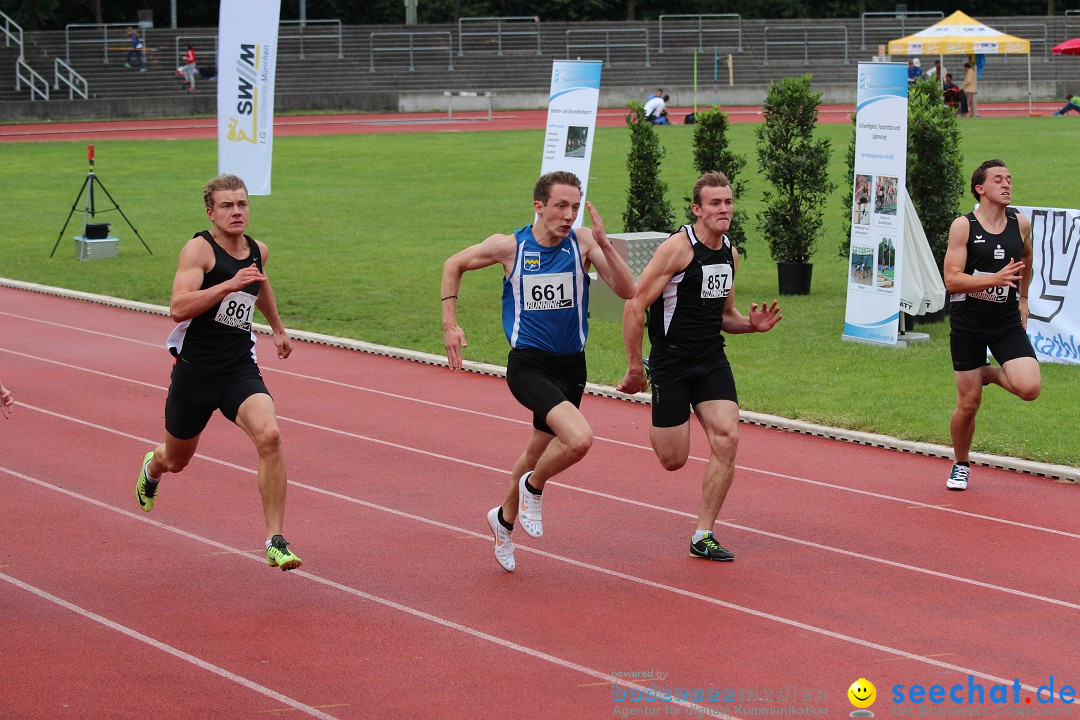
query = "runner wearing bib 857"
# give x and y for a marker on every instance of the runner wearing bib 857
(987, 272)
(545, 310)
(219, 282)
(688, 289)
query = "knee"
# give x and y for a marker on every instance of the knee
(725, 441)
(672, 463)
(1029, 392)
(578, 444)
(268, 440)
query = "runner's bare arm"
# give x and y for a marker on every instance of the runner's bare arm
(497, 249)
(188, 300)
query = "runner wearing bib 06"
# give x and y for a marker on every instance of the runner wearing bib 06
(988, 271)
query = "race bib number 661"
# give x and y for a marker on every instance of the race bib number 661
(548, 292)
(236, 310)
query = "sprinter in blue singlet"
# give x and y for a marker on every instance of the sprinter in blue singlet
(545, 311)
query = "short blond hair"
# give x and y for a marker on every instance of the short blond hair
(221, 182)
(714, 178)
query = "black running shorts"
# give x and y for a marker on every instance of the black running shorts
(1008, 343)
(195, 394)
(541, 380)
(678, 384)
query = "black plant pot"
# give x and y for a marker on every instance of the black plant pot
(794, 278)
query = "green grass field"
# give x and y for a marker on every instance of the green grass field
(358, 228)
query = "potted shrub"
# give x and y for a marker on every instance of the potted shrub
(795, 164)
(647, 208)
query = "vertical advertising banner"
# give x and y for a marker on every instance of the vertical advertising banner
(877, 204)
(1054, 294)
(247, 59)
(571, 122)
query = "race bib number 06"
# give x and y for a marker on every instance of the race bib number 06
(236, 310)
(995, 294)
(715, 281)
(548, 292)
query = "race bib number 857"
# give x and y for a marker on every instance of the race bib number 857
(553, 291)
(236, 310)
(715, 281)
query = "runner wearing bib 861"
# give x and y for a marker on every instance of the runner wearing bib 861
(219, 282)
(545, 311)
(988, 271)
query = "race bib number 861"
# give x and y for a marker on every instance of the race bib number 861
(236, 310)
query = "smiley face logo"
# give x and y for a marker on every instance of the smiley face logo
(862, 693)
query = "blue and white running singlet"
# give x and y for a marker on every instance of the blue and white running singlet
(546, 298)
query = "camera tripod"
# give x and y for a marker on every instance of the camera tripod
(90, 209)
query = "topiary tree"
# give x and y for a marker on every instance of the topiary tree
(711, 152)
(647, 207)
(935, 183)
(845, 245)
(795, 164)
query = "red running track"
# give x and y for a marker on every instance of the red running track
(852, 562)
(366, 124)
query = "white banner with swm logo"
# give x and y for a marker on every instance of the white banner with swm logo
(247, 60)
(1054, 294)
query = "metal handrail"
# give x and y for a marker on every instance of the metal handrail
(68, 42)
(1044, 39)
(902, 14)
(607, 44)
(498, 32)
(9, 36)
(701, 30)
(806, 41)
(411, 49)
(31, 79)
(304, 23)
(76, 83)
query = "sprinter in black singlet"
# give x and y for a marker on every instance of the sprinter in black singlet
(688, 287)
(218, 285)
(987, 272)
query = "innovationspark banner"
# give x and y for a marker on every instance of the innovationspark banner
(1054, 294)
(575, 93)
(877, 206)
(247, 59)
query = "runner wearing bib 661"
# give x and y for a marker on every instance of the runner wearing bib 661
(987, 272)
(546, 320)
(219, 282)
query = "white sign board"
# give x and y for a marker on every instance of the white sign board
(1054, 294)
(247, 61)
(571, 122)
(878, 202)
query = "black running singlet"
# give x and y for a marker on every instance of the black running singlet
(221, 337)
(987, 254)
(688, 315)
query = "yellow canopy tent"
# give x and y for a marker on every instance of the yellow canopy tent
(960, 34)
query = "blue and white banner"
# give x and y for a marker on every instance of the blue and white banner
(1054, 294)
(571, 122)
(247, 60)
(878, 204)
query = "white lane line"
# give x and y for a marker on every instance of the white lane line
(587, 491)
(770, 473)
(158, 645)
(552, 556)
(386, 602)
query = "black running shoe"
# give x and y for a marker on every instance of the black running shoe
(708, 548)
